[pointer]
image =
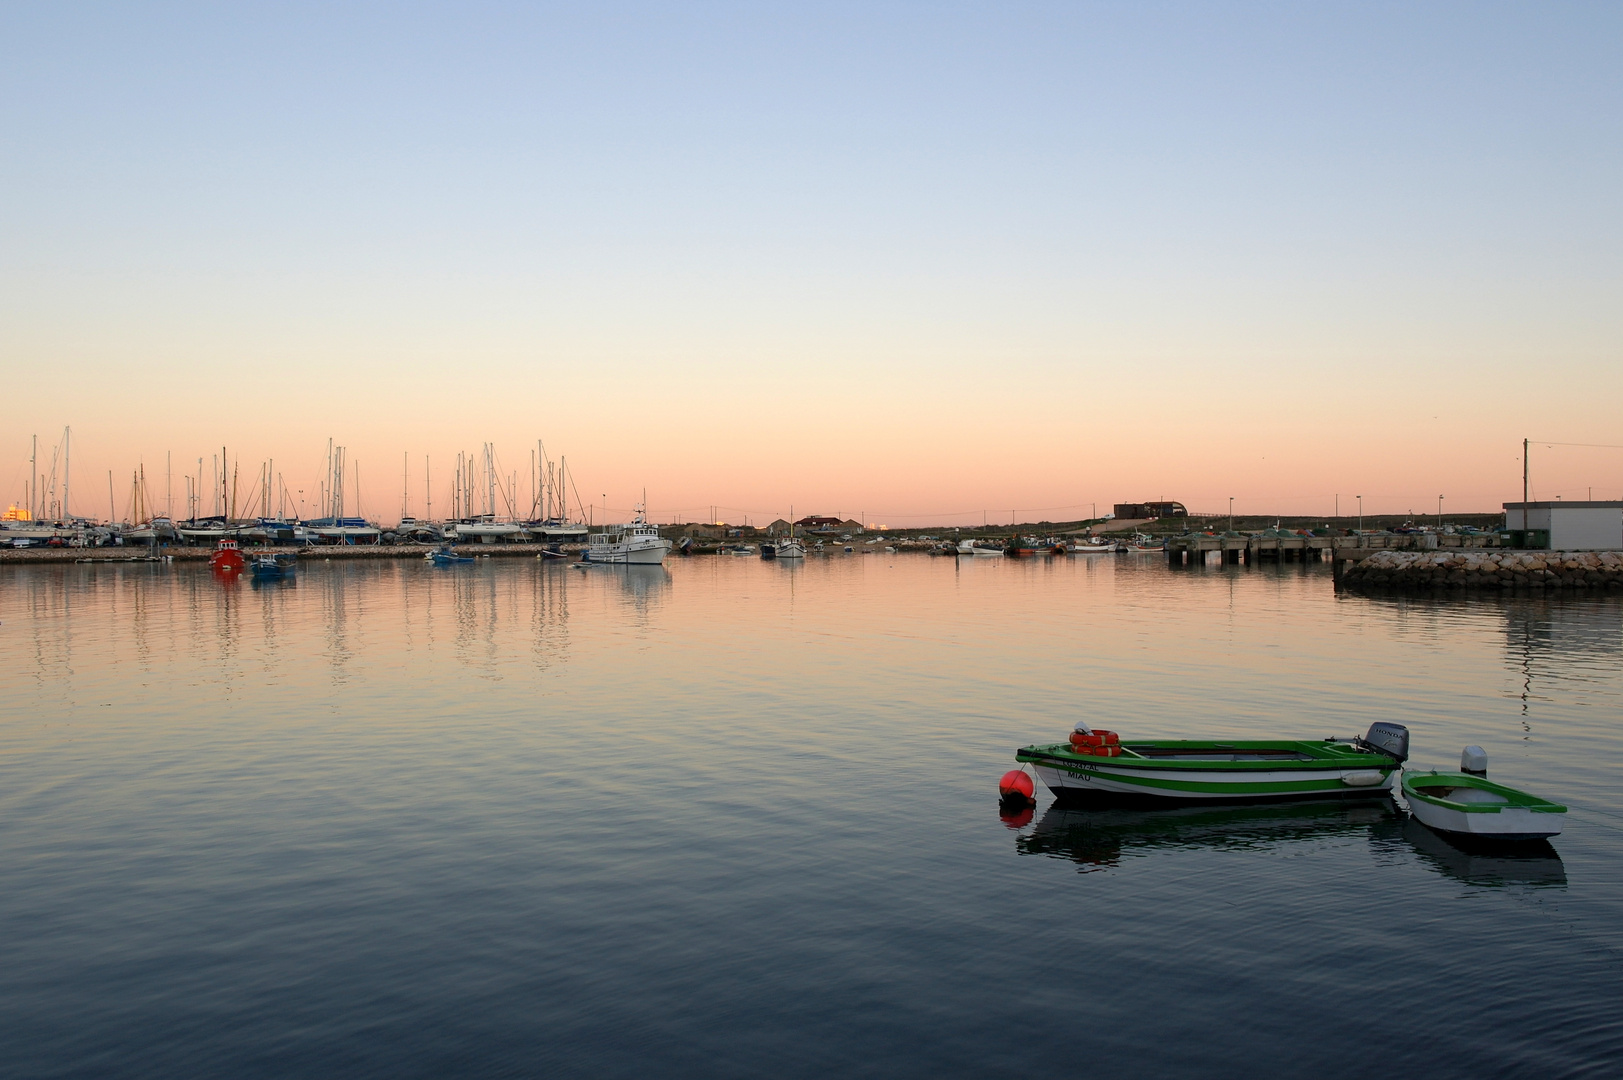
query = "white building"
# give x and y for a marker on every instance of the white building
(1566, 526)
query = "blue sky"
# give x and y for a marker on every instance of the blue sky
(873, 230)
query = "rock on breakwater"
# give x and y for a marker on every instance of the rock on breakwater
(1487, 570)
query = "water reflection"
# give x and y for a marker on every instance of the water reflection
(1487, 862)
(642, 583)
(1550, 639)
(1099, 839)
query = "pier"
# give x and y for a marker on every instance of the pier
(1233, 549)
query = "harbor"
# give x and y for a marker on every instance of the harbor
(627, 767)
(721, 541)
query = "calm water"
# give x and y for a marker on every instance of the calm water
(735, 818)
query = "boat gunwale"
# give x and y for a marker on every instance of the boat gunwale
(1518, 800)
(1322, 755)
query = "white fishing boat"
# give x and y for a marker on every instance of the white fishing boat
(971, 547)
(636, 543)
(791, 549)
(1095, 547)
(1467, 803)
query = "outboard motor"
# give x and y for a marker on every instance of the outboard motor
(1474, 759)
(1389, 739)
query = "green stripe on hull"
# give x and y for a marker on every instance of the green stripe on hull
(1185, 769)
(1260, 787)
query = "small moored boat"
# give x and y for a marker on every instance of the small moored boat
(446, 555)
(1099, 765)
(227, 559)
(274, 567)
(1467, 803)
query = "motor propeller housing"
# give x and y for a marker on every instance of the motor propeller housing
(1389, 739)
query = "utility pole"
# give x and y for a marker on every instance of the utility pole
(1231, 513)
(1360, 513)
(1524, 483)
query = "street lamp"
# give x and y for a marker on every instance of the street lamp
(1439, 513)
(1231, 513)
(1360, 499)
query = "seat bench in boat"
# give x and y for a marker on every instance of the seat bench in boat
(1214, 753)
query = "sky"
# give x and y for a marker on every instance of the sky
(920, 262)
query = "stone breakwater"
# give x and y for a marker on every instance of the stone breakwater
(1587, 570)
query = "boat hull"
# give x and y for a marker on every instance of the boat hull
(1510, 823)
(1320, 771)
(1527, 818)
(648, 556)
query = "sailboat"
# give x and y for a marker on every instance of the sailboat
(148, 528)
(335, 526)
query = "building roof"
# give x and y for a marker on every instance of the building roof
(1563, 504)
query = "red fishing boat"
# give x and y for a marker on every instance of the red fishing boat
(227, 559)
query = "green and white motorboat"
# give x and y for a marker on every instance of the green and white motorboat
(1225, 770)
(1467, 803)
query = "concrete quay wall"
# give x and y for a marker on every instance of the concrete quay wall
(1405, 570)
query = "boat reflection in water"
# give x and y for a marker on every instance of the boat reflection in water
(1099, 838)
(1477, 861)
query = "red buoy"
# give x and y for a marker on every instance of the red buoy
(1016, 785)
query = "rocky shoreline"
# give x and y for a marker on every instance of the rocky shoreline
(1499, 570)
